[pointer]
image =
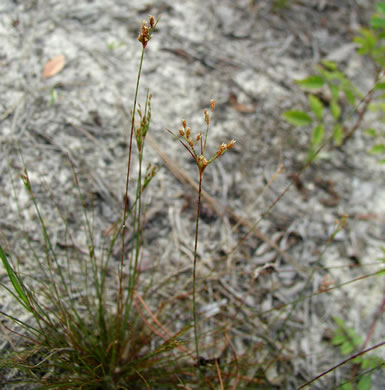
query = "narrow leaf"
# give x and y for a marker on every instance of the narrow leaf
(331, 65)
(338, 135)
(350, 96)
(15, 280)
(311, 82)
(297, 118)
(316, 106)
(334, 91)
(339, 321)
(335, 110)
(377, 149)
(318, 135)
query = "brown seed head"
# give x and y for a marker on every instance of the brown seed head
(191, 143)
(181, 132)
(230, 144)
(212, 104)
(152, 21)
(144, 35)
(188, 132)
(184, 123)
(207, 117)
(199, 136)
(202, 161)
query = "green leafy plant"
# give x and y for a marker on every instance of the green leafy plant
(336, 106)
(349, 342)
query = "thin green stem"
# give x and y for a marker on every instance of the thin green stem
(120, 301)
(196, 336)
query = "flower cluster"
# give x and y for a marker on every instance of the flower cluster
(146, 31)
(189, 142)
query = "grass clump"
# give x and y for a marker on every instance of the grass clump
(74, 337)
(84, 342)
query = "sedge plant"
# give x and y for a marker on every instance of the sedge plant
(73, 338)
(196, 146)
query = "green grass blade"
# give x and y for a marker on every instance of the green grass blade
(15, 280)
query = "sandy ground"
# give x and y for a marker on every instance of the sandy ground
(244, 54)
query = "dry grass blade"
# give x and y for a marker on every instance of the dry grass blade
(219, 375)
(137, 298)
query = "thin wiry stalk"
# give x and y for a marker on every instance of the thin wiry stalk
(137, 214)
(120, 301)
(144, 37)
(195, 317)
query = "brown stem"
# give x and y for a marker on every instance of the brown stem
(196, 338)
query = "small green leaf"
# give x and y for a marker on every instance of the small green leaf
(365, 363)
(377, 22)
(371, 132)
(316, 106)
(347, 348)
(357, 340)
(338, 339)
(335, 110)
(318, 135)
(370, 38)
(311, 82)
(380, 86)
(358, 360)
(338, 135)
(297, 118)
(334, 91)
(339, 321)
(331, 65)
(350, 96)
(381, 7)
(347, 386)
(365, 383)
(377, 149)
(363, 49)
